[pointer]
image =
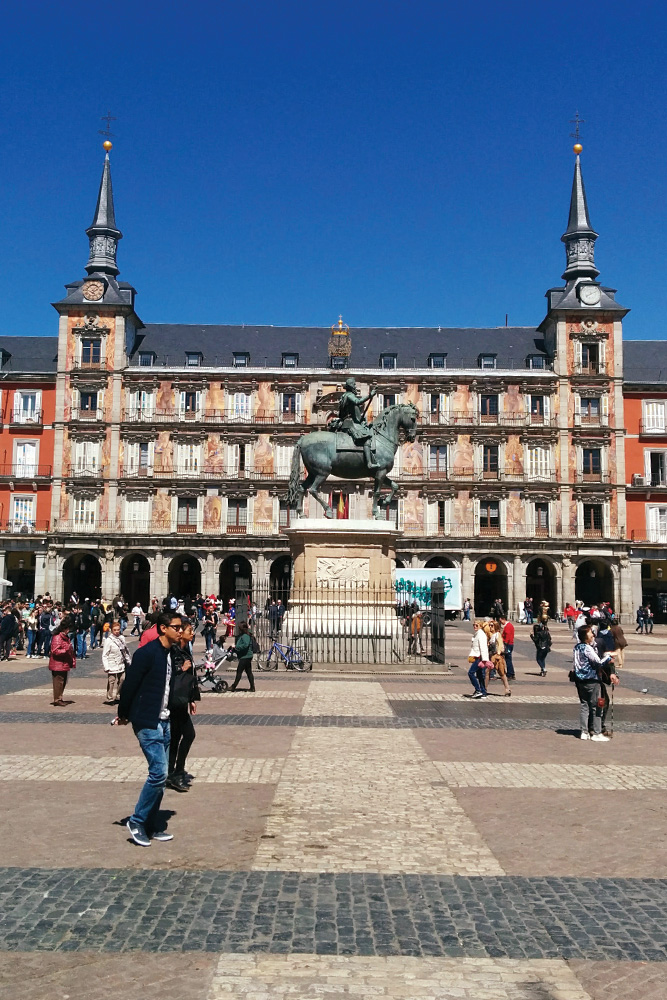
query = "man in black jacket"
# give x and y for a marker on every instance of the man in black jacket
(8, 629)
(144, 700)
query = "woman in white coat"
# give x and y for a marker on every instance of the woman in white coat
(479, 653)
(115, 658)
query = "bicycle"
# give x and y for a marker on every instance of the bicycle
(294, 658)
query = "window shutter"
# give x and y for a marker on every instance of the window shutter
(475, 509)
(547, 407)
(604, 409)
(577, 355)
(602, 355)
(298, 403)
(432, 517)
(232, 458)
(401, 513)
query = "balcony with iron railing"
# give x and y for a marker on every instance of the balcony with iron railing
(653, 428)
(591, 420)
(25, 470)
(26, 418)
(467, 474)
(176, 415)
(94, 414)
(592, 477)
(198, 471)
(24, 526)
(590, 368)
(87, 470)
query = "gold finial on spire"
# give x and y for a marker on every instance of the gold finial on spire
(107, 145)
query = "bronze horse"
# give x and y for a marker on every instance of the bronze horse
(318, 449)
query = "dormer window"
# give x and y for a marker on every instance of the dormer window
(537, 362)
(336, 361)
(146, 359)
(193, 359)
(387, 361)
(487, 360)
(241, 359)
(437, 360)
(290, 360)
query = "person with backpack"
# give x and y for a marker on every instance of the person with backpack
(183, 698)
(541, 636)
(588, 669)
(245, 646)
(210, 625)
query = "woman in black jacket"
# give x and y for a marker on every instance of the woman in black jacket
(182, 704)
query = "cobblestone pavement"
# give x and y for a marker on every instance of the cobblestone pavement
(353, 833)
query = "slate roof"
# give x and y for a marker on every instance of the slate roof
(29, 354)
(645, 361)
(266, 344)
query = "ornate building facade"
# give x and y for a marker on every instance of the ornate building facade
(173, 443)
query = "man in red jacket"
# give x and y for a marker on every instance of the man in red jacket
(508, 639)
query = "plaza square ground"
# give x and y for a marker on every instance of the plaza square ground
(350, 832)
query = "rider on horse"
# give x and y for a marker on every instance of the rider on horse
(351, 419)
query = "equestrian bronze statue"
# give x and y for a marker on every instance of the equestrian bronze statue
(352, 449)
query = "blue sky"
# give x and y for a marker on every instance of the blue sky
(404, 163)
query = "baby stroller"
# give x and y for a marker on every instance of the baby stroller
(207, 670)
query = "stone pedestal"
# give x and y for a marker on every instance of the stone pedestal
(342, 584)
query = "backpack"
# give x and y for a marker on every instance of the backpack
(254, 645)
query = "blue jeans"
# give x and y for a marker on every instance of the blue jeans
(93, 643)
(509, 649)
(541, 657)
(155, 746)
(81, 644)
(476, 675)
(32, 635)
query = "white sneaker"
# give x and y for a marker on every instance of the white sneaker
(583, 735)
(478, 694)
(599, 738)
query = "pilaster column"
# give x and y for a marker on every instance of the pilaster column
(626, 605)
(40, 570)
(567, 582)
(109, 582)
(519, 580)
(560, 603)
(467, 579)
(209, 575)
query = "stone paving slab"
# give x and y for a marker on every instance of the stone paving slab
(330, 698)
(62, 826)
(303, 977)
(209, 770)
(581, 833)
(100, 692)
(539, 746)
(245, 742)
(365, 801)
(622, 980)
(495, 697)
(121, 910)
(499, 774)
(92, 976)
(475, 720)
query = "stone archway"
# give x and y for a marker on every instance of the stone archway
(541, 584)
(280, 577)
(594, 582)
(235, 577)
(439, 562)
(82, 573)
(490, 584)
(185, 577)
(135, 580)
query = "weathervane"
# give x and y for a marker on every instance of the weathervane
(576, 121)
(108, 118)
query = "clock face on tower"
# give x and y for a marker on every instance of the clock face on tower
(589, 295)
(93, 290)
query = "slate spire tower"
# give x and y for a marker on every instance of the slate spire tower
(579, 237)
(102, 232)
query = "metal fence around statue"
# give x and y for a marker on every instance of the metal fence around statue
(346, 624)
